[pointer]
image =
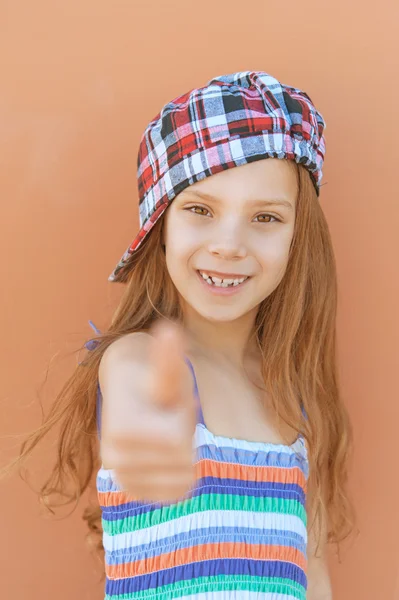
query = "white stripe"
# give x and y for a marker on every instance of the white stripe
(236, 149)
(205, 437)
(167, 182)
(197, 163)
(208, 518)
(239, 595)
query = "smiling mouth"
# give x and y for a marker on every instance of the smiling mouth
(223, 281)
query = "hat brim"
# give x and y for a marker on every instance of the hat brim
(119, 274)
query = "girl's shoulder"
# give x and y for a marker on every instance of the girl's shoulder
(123, 355)
(129, 345)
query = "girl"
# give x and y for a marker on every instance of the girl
(224, 441)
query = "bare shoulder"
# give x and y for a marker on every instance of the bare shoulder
(126, 366)
(123, 361)
(131, 345)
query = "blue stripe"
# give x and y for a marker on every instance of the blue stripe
(98, 410)
(207, 568)
(261, 458)
(110, 485)
(288, 491)
(209, 535)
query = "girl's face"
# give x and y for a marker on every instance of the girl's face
(233, 225)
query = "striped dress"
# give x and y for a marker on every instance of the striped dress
(238, 534)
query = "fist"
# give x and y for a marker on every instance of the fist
(148, 440)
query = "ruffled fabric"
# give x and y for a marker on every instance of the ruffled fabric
(240, 532)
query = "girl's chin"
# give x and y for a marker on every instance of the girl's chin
(220, 314)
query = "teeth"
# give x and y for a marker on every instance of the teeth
(221, 282)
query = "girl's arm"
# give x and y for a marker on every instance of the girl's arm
(319, 583)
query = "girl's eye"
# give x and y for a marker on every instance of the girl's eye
(194, 208)
(267, 215)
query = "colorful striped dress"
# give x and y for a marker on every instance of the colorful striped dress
(239, 534)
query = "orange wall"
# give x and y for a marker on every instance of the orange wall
(79, 81)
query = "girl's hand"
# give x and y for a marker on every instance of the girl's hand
(149, 414)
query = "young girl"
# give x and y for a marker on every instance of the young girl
(214, 393)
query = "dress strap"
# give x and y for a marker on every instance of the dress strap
(300, 435)
(90, 345)
(200, 416)
(98, 411)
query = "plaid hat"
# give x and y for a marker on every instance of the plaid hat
(233, 120)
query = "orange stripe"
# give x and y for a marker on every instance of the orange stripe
(210, 468)
(201, 552)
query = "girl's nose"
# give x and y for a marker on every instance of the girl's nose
(229, 245)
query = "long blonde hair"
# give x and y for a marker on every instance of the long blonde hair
(296, 332)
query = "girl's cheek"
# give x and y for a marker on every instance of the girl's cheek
(190, 237)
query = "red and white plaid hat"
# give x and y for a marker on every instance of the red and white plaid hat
(233, 120)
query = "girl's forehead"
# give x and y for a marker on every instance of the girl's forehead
(266, 179)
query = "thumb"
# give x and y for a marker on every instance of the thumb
(167, 360)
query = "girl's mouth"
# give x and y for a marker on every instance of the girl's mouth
(219, 286)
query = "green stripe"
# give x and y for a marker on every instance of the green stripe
(203, 503)
(201, 585)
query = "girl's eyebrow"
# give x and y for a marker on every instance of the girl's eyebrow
(277, 201)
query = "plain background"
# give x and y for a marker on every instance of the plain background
(79, 82)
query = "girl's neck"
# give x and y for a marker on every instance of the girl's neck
(232, 342)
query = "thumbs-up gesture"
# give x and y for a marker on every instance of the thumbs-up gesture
(149, 414)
